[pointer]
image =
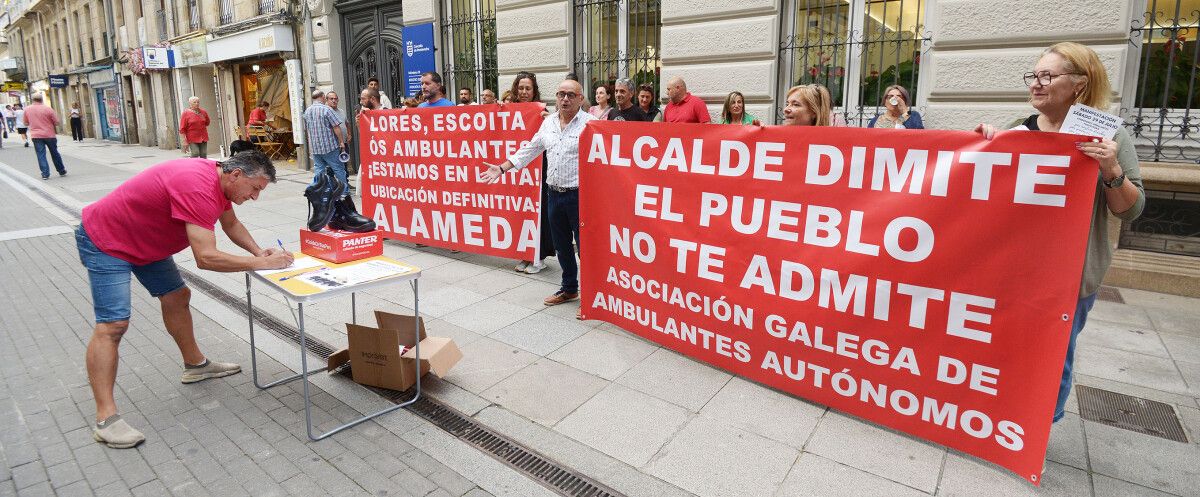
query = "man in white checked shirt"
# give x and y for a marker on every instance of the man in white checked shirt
(559, 138)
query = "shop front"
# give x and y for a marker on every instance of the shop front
(253, 62)
(108, 124)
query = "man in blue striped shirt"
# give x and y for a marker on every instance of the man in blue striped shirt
(325, 139)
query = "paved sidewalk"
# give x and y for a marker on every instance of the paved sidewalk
(638, 418)
(218, 437)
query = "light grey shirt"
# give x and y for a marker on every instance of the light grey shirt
(561, 146)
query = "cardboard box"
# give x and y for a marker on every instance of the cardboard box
(341, 246)
(375, 357)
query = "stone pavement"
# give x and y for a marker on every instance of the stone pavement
(638, 418)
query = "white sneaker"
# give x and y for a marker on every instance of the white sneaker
(521, 266)
(535, 268)
(116, 433)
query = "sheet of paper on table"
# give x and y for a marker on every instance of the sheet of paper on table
(1088, 121)
(299, 263)
(354, 274)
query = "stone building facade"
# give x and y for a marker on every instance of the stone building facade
(962, 60)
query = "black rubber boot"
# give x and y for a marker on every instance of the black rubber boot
(322, 198)
(347, 218)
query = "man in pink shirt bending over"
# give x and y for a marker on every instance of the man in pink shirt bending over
(135, 230)
(42, 120)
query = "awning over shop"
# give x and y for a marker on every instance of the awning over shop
(261, 40)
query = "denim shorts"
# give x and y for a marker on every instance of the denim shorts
(109, 278)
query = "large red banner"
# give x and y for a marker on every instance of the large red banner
(420, 177)
(923, 280)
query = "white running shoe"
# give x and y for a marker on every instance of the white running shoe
(535, 268)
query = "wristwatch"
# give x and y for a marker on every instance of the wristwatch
(1115, 182)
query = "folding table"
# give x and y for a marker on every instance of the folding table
(295, 290)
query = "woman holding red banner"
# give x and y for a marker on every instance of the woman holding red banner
(808, 105)
(1067, 74)
(525, 89)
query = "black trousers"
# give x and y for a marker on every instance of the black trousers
(77, 128)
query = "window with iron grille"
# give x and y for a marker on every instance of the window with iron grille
(226, 11)
(194, 14)
(855, 48)
(266, 6)
(469, 45)
(617, 39)
(161, 16)
(1160, 116)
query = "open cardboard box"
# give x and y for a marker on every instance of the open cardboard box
(375, 358)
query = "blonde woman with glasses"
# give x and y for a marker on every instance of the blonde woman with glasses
(1068, 74)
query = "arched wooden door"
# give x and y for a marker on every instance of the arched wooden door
(372, 48)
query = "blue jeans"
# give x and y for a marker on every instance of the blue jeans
(39, 146)
(326, 160)
(109, 279)
(564, 229)
(1082, 307)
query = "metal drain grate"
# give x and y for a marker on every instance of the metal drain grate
(1110, 294)
(1130, 413)
(560, 479)
(262, 319)
(526, 460)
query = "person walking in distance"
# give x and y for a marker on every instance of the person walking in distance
(76, 123)
(42, 122)
(135, 230)
(22, 126)
(10, 119)
(193, 125)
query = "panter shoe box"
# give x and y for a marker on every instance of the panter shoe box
(386, 357)
(341, 246)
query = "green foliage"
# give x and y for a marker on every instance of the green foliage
(1177, 58)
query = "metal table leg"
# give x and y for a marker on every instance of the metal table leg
(304, 367)
(305, 372)
(254, 349)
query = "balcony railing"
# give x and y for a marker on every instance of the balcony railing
(161, 16)
(226, 11)
(194, 14)
(266, 6)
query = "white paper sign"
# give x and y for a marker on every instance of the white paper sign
(1088, 121)
(353, 274)
(297, 263)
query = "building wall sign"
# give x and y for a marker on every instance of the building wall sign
(57, 80)
(101, 78)
(418, 55)
(260, 40)
(191, 52)
(158, 57)
(295, 98)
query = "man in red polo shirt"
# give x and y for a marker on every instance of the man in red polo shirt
(684, 107)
